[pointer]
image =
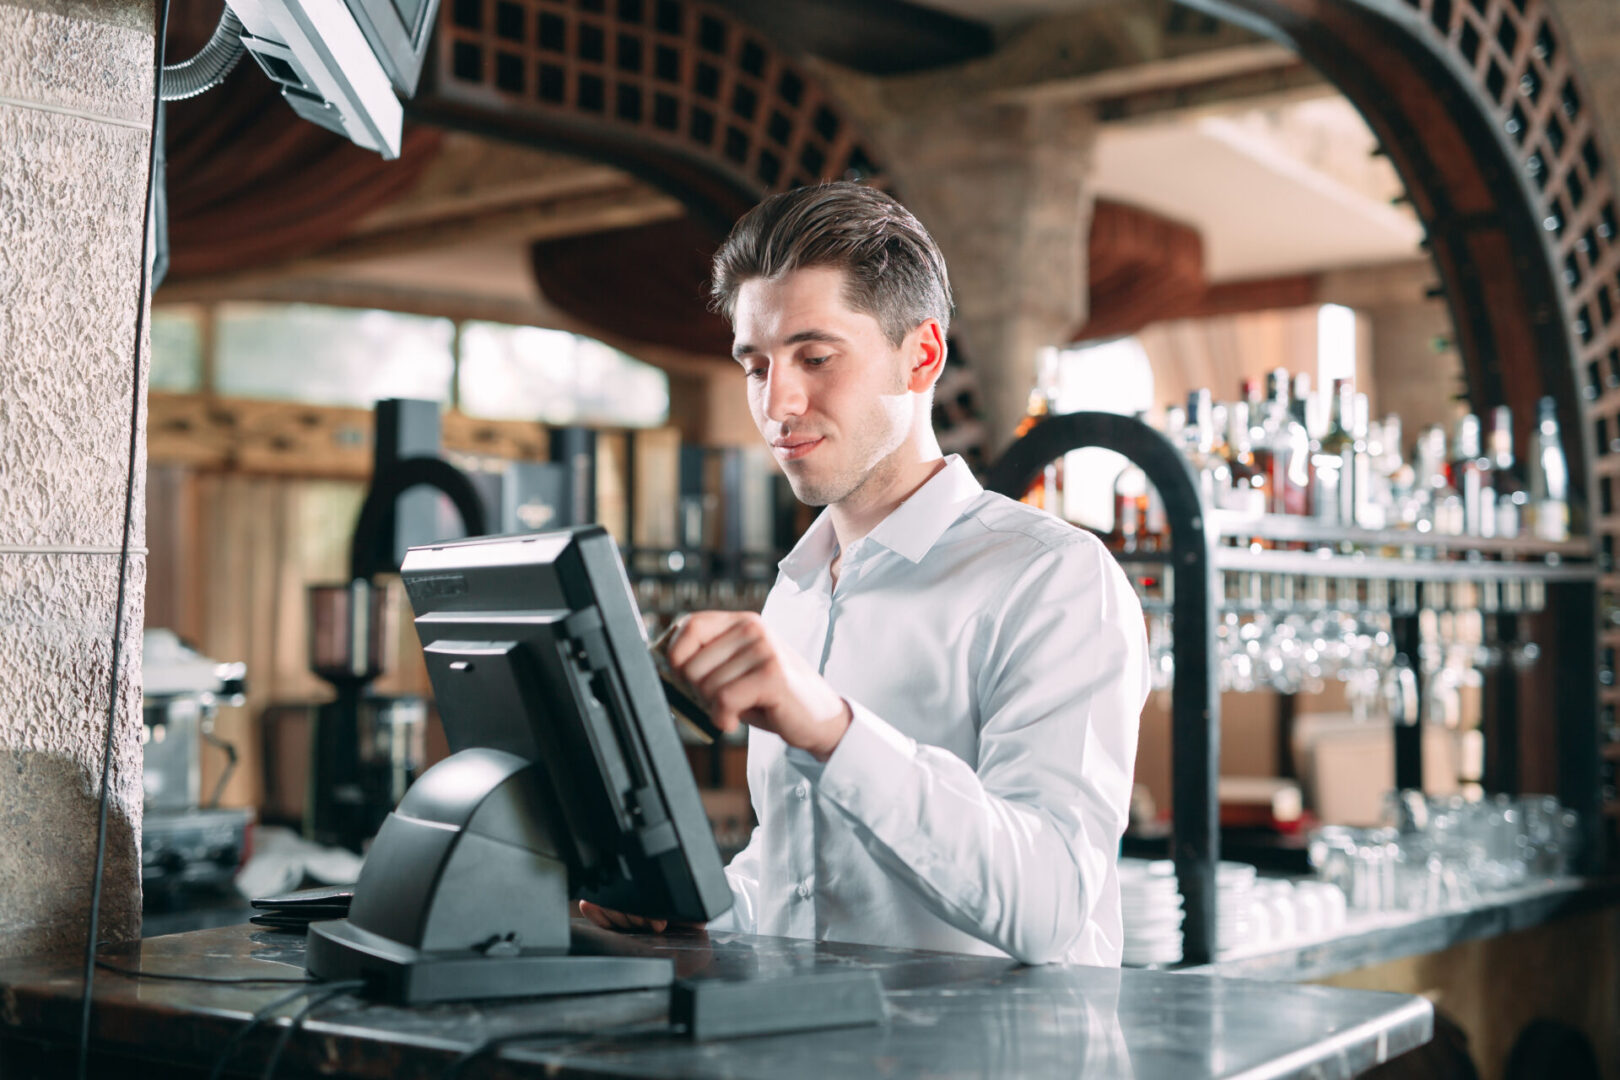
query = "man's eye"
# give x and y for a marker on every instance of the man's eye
(755, 372)
(816, 361)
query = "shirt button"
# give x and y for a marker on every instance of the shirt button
(802, 789)
(804, 889)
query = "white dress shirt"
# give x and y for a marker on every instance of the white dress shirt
(995, 662)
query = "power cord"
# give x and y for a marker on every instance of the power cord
(255, 1020)
(123, 553)
(331, 991)
(175, 976)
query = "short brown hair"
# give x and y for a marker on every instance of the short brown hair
(894, 270)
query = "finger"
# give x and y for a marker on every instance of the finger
(739, 701)
(617, 920)
(594, 914)
(741, 663)
(697, 630)
(741, 637)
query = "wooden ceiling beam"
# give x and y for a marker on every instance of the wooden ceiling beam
(620, 206)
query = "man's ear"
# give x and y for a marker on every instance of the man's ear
(927, 357)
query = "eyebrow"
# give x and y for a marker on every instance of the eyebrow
(826, 337)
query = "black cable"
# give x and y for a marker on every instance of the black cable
(123, 553)
(331, 991)
(478, 1050)
(174, 976)
(253, 1022)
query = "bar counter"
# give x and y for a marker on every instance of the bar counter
(948, 1016)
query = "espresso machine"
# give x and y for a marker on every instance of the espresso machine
(188, 844)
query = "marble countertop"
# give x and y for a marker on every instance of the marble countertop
(1380, 938)
(948, 1016)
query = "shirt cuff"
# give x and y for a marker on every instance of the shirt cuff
(870, 750)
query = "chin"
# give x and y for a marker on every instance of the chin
(812, 493)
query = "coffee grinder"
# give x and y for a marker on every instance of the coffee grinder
(367, 748)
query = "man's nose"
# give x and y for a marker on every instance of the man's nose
(784, 394)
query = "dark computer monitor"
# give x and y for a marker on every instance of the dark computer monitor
(398, 32)
(567, 779)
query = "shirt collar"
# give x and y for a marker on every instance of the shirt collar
(910, 530)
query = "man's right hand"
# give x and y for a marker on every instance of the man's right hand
(608, 919)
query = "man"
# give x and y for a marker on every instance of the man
(944, 684)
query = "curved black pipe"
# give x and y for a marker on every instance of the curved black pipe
(1195, 717)
(386, 488)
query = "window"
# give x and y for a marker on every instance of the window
(331, 356)
(350, 357)
(1110, 376)
(526, 373)
(176, 350)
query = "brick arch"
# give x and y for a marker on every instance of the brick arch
(678, 92)
(1481, 111)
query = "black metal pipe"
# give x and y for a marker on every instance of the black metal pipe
(1195, 716)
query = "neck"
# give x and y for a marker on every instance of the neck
(890, 483)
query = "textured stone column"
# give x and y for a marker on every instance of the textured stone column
(1003, 189)
(75, 94)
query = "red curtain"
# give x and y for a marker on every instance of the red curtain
(250, 184)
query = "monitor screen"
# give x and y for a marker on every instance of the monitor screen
(398, 32)
(534, 646)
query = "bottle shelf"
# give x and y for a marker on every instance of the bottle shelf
(1295, 557)
(1286, 529)
(1394, 568)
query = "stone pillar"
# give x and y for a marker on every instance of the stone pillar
(1003, 189)
(75, 111)
(1002, 185)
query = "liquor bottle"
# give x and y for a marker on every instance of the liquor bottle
(1217, 425)
(1468, 473)
(1265, 436)
(1549, 477)
(1046, 491)
(1442, 509)
(1130, 506)
(1249, 394)
(1356, 505)
(1155, 532)
(1293, 490)
(1397, 479)
(1329, 456)
(1214, 477)
(1374, 512)
(1247, 491)
(1507, 493)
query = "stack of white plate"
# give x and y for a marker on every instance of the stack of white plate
(1234, 893)
(1151, 905)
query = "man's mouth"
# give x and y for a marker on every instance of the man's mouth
(792, 449)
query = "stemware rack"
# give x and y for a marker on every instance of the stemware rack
(1427, 569)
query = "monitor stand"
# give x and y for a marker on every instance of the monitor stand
(464, 895)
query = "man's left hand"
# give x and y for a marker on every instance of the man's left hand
(745, 676)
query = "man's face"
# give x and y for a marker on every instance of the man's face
(826, 388)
